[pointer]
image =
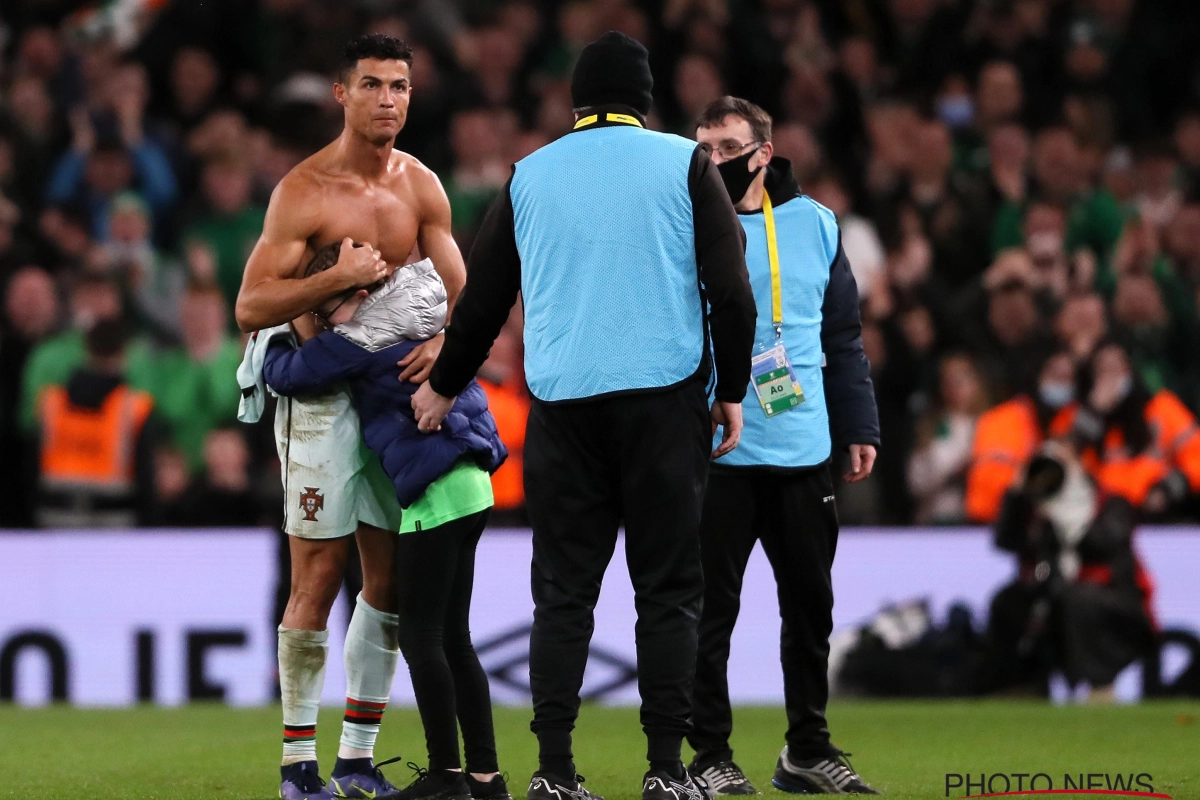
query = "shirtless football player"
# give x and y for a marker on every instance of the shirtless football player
(356, 189)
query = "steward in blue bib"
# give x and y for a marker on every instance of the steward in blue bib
(820, 330)
(810, 390)
(630, 260)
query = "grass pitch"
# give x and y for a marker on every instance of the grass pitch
(902, 748)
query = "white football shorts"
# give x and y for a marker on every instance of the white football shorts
(331, 480)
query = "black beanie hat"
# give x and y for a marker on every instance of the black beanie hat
(614, 69)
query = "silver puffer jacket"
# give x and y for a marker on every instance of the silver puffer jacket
(411, 305)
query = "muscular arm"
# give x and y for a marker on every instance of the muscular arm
(271, 294)
(435, 239)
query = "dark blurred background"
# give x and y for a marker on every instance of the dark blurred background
(1012, 177)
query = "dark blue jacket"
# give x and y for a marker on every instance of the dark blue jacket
(412, 459)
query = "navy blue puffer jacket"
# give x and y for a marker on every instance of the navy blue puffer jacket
(412, 459)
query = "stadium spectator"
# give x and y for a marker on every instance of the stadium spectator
(92, 300)
(860, 239)
(96, 442)
(231, 221)
(1060, 176)
(93, 171)
(171, 480)
(194, 385)
(1139, 445)
(221, 496)
(937, 470)
(1014, 341)
(1007, 436)
(195, 85)
(107, 155)
(1160, 343)
(478, 139)
(31, 312)
(1080, 325)
(1182, 245)
(949, 208)
(153, 282)
(66, 231)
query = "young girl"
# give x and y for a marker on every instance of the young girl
(443, 485)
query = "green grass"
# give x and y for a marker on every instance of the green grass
(903, 748)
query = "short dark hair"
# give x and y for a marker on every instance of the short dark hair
(106, 338)
(324, 259)
(716, 112)
(372, 45)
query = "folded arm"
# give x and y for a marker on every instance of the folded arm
(271, 294)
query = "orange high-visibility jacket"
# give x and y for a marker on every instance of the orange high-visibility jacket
(1006, 438)
(91, 449)
(511, 410)
(1174, 445)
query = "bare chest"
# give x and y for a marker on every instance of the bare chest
(386, 218)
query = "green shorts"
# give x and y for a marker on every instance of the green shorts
(466, 489)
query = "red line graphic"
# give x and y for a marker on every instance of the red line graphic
(1069, 791)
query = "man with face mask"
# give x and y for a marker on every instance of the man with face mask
(809, 376)
(1007, 436)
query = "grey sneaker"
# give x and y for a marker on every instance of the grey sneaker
(723, 778)
(831, 774)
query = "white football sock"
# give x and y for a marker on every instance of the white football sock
(372, 652)
(301, 679)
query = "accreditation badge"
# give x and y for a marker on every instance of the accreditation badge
(775, 381)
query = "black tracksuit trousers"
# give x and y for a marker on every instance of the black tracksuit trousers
(794, 515)
(641, 459)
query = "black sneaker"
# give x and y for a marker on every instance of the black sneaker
(442, 784)
(661, 785)
(544, 786)
(722, 778)
(831, 774)
(495, 789)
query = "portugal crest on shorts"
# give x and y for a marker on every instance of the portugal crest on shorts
(311, 501)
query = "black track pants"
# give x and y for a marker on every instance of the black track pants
(640, 459)
(795, 518)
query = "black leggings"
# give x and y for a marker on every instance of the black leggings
(436, 570)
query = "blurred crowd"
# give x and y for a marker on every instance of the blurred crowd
(1017, 181)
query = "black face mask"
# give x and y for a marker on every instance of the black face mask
(736, 177)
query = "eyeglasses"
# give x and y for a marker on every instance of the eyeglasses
(728, 150)
(325, 315)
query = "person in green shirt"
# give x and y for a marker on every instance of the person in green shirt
(1094, 219)
(228, 230)
(195, 385)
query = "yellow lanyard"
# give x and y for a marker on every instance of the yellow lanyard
(773, 257)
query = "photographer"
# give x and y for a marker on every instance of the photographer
(1081, 600)
(1141, 446)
